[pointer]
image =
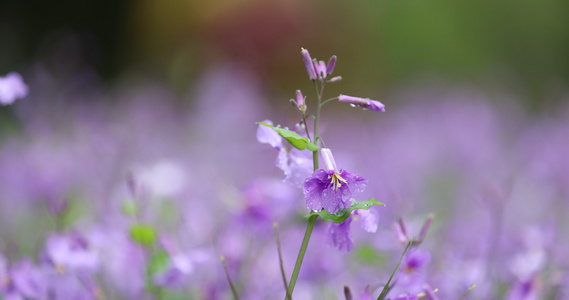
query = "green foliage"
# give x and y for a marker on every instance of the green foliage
(345, 213)
(293, 138)
(143, 234)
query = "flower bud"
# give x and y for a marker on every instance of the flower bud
(366, 103)
(308, 64)
(335, 79)
(300, 103)
(425, 228)
(331, 65)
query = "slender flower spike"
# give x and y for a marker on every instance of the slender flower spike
(331, 65)
(366, 103)
(330, 188)
(308, 63)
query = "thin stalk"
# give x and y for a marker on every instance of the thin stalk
(386, 287)
(301, 253)
(470, 289)
(233, 289)
(328, 100)
(306, 127)
(312, 218)
(281, 264)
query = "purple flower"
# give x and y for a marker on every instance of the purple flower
(339, 235)
(368, 219)
(12, 87)
(70, 253)
(180, 265)
(331, 189)
(366, 103)
(296, 164)
(22, 280)
(413, 276)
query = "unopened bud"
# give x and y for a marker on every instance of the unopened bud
(331, 65)
(425, 228)
(366, 103)
(321, 69)
(335, 79)
(348, 293)
(401, 231)
(300, 103)
(308, 64)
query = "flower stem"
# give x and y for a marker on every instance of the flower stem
(386, 288)
(301, 253)
(312, 218)
(281, 264)
(233, 289)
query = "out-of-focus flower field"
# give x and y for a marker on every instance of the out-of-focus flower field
(130, 179)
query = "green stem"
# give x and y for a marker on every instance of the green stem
(312, 218)
(301, 253)
(328, 100)
(233, 289)
(281, 263)
(386, 287)
(470, 289)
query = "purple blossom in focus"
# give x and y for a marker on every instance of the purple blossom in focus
(331, 189)
(12, 87)
(366, 103)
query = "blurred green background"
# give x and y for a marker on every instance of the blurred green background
(516, 47)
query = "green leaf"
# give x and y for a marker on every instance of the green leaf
(158, 263)
(345, 213)
(143, 234)
(293, 138)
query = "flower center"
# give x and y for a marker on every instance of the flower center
(336, 181)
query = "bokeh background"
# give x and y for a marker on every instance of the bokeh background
(165, 94)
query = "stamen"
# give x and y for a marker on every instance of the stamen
(336, 178)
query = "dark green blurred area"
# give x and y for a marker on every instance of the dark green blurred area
(518, 47)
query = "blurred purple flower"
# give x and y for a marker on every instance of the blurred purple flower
(524, 290)
(70, 254)
(414, 266)
(331, 189)
(180, 265)
(296, 164)
(368, 219)
(12, 87)
(21, 281)
(366, 103)
(339, 235)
